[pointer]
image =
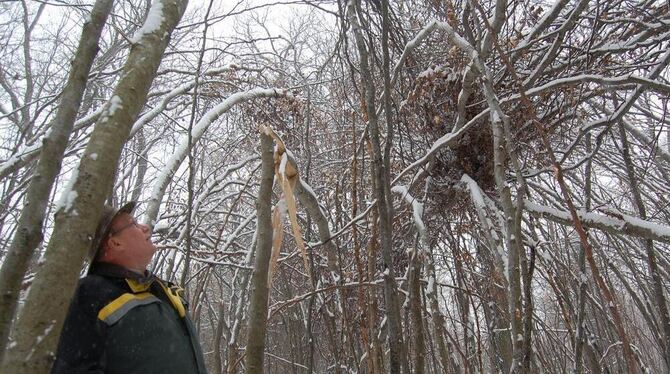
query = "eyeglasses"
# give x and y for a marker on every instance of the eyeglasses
(132, 223)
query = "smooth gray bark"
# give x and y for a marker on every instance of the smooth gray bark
(165, 176)
(258, 307)
(29, 229)
(41, 319)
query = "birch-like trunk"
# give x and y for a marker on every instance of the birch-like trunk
(41, 319)
(29, 229)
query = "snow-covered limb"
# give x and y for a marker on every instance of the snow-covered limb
(635, 41)
(641, 137)
(18, 159)
(482, 205)
(417, 209)
(199, 129)
(184, 88)
(158, 109)
(456, 38)
(445, 140)
(541, 25)
(88, 119)
(615, 223)
(152, 23)
(628, 79)
(409, 47)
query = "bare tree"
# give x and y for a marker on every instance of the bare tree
(29, 228)
(42, 316)
(440, 234)
(258, 307)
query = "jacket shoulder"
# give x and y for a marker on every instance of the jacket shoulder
(97, 290)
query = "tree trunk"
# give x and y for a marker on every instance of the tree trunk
(29, 229)
(581, 262)
(218, 336)
(377, 362)
(416, 310)
(496, 307)
(142, 165)
(397, 355)
(656, 281)
(258, 307)
(42, 317)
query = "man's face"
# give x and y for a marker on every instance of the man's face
(130, 242)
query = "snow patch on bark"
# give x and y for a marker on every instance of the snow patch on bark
(115, 103)
(152, 23)
(69, 195)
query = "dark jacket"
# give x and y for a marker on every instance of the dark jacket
(121, 322)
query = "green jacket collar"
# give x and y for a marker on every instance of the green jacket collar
(115, 271)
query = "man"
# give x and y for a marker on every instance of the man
(123, 319)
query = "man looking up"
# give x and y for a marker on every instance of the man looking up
(122, 318)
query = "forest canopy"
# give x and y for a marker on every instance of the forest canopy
(350, 186)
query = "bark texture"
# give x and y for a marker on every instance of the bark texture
(397, 355)
(29, 231)
(41, 319)
(258, 307)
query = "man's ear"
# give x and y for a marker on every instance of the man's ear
(113, 243)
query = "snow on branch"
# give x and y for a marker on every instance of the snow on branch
(18, 159)
(153, 22)
(198, 130)
(180, 90)
(409, 47)
(456, 38)
(417, 208)
(446, 140)
(615, 223)
(641, 137)
(158, 109)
